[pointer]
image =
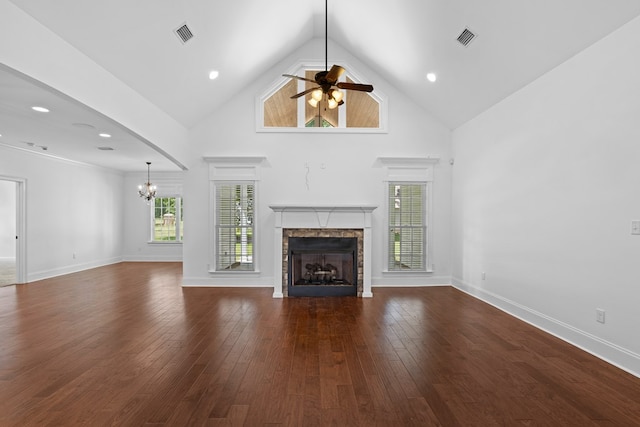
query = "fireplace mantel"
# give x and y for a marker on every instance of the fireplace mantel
(322, 208)
(322, 216)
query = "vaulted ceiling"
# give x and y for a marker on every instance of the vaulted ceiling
(516, 42)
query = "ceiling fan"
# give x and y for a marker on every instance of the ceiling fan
(327, 80)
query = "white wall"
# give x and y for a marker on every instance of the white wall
(7, 219)
(74, 213)
(342, 170)
(545, 185)
(136, 245)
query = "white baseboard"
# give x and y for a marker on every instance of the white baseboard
(409, 280)
(152, 258)
(607, 351)
(68, 269)
(228, 282)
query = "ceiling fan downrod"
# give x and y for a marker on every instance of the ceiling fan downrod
(326, 35)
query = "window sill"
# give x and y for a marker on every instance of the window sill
(234, 273)
(261, 129)
(160, 242)
(406, 272)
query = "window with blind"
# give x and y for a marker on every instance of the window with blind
(234, 225)
(407, 226)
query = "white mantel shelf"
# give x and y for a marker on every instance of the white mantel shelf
(322, 208)
(322, 216)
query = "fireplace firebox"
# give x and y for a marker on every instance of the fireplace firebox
(322, 266)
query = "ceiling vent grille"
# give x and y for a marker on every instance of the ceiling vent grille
(184, 33)
(466, 37)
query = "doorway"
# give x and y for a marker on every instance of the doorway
(12, 210)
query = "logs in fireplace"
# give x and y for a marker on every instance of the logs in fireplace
(322, 266)
(318, 274)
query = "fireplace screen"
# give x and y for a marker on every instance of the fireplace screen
(322, 266)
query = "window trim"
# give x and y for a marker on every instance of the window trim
(299, 69)
(216, 228)
(152, 218)
(229, 170)
(407, 170)
(425, 226)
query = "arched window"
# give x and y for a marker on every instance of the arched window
(277, 112)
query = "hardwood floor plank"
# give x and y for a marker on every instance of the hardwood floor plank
(126, 345)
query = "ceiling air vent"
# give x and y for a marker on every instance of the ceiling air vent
(466, 37)
(105, 148)
(184, 33)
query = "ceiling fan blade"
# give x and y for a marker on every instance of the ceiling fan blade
(355, 86)
(298, 95)
(334, 73)
(299, 78)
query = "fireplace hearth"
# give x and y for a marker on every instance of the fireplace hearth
(322, 266)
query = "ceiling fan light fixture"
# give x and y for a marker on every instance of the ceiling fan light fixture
(317, 95)
(327, 79)
(313, 102)
(337, 95)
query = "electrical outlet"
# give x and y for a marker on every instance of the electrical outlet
(600, 315)
(74, 255)
(635, 227)
(484, 276)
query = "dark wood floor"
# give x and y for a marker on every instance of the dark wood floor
(126, 345)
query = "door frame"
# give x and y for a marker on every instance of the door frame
(21, 227)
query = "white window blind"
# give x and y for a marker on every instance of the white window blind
(234, 223)
(407, 226)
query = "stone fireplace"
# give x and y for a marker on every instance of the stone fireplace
(341, 267)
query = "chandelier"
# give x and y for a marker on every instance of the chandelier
(147, 190)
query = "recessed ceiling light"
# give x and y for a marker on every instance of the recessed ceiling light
(40, 109)
(105, 135)
(213, 74)
(431, 77)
